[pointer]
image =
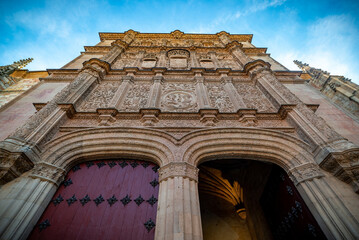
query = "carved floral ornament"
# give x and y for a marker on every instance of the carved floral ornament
(178, 53)
(305, 172)
(48, 172)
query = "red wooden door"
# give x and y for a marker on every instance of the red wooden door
(105, 199)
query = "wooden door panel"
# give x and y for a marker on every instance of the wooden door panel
(86, 220)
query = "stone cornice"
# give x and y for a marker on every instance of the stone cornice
(175, 35)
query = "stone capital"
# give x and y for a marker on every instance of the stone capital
(344, 166)
(48, 172)
(178, 169)
(96, 67)
(12, 165)
(305, 172)
(120, 44)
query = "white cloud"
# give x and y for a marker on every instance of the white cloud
(330, 45)
(257, 6)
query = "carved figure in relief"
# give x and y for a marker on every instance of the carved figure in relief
(179, 97)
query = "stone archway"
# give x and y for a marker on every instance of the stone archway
(288, 152)
(178, 214)
(37, 186)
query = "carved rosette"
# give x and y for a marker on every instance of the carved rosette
(178, 169)
(305, 172)
(48, 172)
(12, 165)
(344, 166)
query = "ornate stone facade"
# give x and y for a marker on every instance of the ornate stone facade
(180, 100)
(339, 89)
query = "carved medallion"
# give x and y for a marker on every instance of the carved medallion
(179, 98)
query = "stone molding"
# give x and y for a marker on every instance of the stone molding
(12, 165)
(178, 169)
(305, 172)
(344, 166)
(48, 172)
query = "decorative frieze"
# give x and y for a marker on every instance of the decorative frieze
(305, 172)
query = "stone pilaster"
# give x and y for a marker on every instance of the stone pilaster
(23, 200)
(162, 59)
(155, 91)
(178, 214)
(201, 90)
(139, 58)
(334, 218)
(214, 59)
(233, 95)
(118, 47)
(194, 61)
(235, 48)
(121, 92)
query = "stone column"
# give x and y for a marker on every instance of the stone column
(23, 200)
(201, 90)
(333, 216)
(178, 213)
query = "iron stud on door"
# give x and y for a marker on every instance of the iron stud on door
(112, 200)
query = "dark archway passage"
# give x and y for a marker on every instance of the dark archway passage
(243, 199)
(104, 199)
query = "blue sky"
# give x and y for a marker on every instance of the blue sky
(324, 34)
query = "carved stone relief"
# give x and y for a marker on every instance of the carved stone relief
(126, 60)
(205, 61)
(178, 58)
(149, 61)
(100, 96)
(219, 98)
(179, 97)
(227, 61)
(254, 98)
(136, 98)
